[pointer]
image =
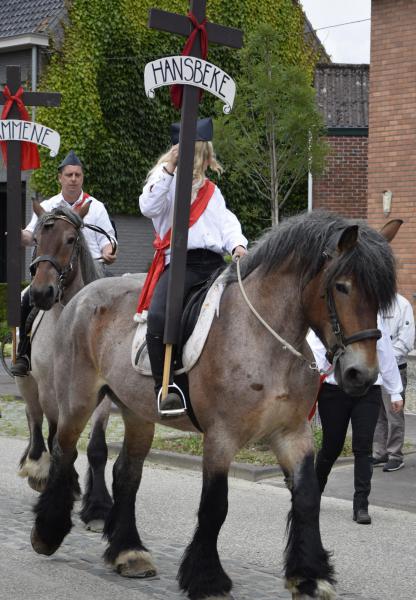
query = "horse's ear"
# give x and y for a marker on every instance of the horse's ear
(348, 239)
(83, 211)
(37, 208)
(390, 229)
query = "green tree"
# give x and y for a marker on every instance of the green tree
(274, 133)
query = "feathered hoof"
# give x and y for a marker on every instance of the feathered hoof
(38, 485)
(135, 563)
(96, 525)
(39, 545)
(324, 590)
(36, 471)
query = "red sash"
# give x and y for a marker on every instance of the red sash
(158, 265)
(322, 378)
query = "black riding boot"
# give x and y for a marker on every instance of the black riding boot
(22, 365)
(173, 403)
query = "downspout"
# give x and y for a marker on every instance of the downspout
(34, 76)
(310, 192)
(310, 178)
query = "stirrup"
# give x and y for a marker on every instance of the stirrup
(177, 412)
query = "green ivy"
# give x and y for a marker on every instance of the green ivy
(106, 117)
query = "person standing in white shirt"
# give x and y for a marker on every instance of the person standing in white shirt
(389, 433)
(71, 179)
(337, 409)
(214, 230)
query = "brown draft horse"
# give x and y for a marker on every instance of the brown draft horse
(62, 266)
(315, 270)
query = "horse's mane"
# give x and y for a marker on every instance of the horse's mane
(88, 267)
(299, 243)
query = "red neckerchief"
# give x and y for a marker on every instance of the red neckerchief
(77, 207)
(158, 265)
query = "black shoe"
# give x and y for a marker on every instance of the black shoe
(21, 367)
(174, 404)
(393, 464)
(378, 462)
(361, 516)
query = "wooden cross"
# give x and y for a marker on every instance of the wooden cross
(14, 193)
(218, 34)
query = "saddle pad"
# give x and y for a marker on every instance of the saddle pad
(196, 342)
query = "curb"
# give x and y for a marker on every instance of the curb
(194, 463)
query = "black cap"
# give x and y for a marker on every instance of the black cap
(204, 131)
(70, 159)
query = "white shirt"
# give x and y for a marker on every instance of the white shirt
(217, 229)
(97, 215)
(389, 374)
(400, 324)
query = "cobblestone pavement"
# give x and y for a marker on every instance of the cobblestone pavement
(82, 551)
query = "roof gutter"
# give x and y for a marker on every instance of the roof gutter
(21, 42)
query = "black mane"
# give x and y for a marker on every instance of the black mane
(88, 268)
(300, 242)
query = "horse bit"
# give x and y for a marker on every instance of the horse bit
(63, 271)
(338, 349)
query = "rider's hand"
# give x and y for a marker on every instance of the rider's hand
(238, 252)
(173, 159)
(107, 256)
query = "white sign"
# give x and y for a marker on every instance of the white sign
(188, 70)
(12, 130)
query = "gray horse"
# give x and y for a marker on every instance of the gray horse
(62, 266)
(317, 270)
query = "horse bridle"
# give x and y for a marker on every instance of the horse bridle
(63, 271)
(337, 350)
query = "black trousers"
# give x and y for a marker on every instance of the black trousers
(336, 410)
(200, 265)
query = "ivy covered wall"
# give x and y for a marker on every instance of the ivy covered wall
(106, 117)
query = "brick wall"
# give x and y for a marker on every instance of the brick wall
(392, 126)
(343, 186)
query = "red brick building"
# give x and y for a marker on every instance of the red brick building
(392, 126)
(342, 96)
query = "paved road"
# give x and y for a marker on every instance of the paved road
(372, 563)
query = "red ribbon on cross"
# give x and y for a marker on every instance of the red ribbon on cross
(29, 151)
(176, 91)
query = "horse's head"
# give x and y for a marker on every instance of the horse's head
(342, 302)
(55, 261)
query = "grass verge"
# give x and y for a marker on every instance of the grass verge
(13, 423)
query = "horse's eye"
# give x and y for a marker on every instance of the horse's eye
(341, 287)
(71, 240)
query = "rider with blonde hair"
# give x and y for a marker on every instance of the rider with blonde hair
(213, 231)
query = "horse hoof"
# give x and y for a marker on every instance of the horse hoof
(324, 590)
(96, 525)
(39, 545)
(38, 485)
(135, 563)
